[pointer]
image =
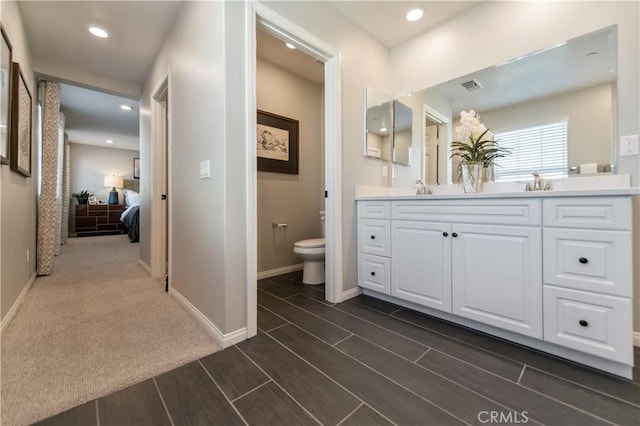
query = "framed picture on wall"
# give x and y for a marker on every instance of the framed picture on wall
(277, 143)
(136, 168)
(5, 96)
(21, 106)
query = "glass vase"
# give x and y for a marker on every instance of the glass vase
(472, 175)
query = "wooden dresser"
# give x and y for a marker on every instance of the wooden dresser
(92, 220)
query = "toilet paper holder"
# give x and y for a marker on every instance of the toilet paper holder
(279, 225)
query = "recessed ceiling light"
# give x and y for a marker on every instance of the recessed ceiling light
(414, 14)
(290, 46)
(98, 32)
(126, 107)
(383, 129)
(109, 141)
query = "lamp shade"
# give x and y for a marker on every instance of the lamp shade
(113, 182)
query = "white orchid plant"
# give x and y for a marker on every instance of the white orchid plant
(475, 144)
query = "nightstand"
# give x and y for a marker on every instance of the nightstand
(104, 219)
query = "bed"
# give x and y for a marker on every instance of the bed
(130, 217)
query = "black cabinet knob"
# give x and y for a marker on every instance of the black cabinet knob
(445, 234)
(454, 235)
(583, 260)
(583, 323)
(373, 237)
(373, 274)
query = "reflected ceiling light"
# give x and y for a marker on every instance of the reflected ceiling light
(414, 15)
(109, 141)
(126, 107)
(98, 32)
(383, 129)
(290, 46)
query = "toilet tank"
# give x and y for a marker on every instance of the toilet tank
(322, 222)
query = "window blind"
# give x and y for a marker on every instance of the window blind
(541, 148)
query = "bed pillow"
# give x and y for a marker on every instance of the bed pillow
(131, 198)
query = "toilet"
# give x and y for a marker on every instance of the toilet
(312, 252)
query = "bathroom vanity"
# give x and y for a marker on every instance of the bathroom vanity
(551, 270)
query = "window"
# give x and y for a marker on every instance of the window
(541, 148)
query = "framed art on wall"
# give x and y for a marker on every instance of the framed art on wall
(277, 143)
(21, 101)
(136, 168)
(5, 96)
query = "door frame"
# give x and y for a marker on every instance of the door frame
(265, 18)
(160, 238)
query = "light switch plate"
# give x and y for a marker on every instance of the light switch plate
(205, 169)
(629, 145)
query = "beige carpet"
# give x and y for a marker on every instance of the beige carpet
(97, 325)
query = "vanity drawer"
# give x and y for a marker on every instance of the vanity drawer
(374, 273)
(589, 260)
(374, 237)
(518, 211)
(374, 209)
(592, 323)
(588, 212)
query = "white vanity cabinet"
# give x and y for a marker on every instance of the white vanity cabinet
(374, 246)
(588, 275)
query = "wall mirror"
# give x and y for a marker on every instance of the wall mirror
(402, 133)
(378, 129)
(575, 80)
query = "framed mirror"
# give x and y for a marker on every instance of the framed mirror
(574, 81)
(378, 128)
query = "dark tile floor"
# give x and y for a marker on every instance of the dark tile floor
(365, 362)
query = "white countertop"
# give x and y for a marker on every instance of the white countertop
(595, 186)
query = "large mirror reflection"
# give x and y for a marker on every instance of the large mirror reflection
(555, 109)
(402, 133)
(379, 127)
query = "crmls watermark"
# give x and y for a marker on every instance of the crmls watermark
(503, 417)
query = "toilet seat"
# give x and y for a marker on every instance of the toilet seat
(310, 243)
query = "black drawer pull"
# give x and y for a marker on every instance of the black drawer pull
(373, 274)
(583, 260)
(583, 323)
(373, 237)
(445, 234)
(454, 235)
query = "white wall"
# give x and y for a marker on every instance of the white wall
(90, 164)
(18, 194)
(294, 199)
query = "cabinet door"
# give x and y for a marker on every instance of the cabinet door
(421, 263)
(497, 276)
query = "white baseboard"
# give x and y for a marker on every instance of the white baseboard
(144, 266)
(636, 338)
(221, 339)
(350, 294)
(12, 312)
(280, 271)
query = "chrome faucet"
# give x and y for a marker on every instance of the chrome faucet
(537, 181)
(422, 188)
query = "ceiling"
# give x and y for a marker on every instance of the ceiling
(57, 34)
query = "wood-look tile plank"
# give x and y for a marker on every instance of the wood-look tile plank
(275, 289)
(295, 276)
(382, 394)
(603, 382)
(380, 336)
(233, 372)
(365, 416)
(139, 404)
(376, 304)
(453, 398)
(268, 321)
(593, 402)
(322, 397)
(82, 415)
(313, 291)
(314, 325)
(491, 362)
(193, 398)
(537, 407)
(269, 405)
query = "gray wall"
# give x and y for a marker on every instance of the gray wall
(17, 194)
(294, 199)
(90, 164)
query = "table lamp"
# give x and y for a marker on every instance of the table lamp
(113, 182)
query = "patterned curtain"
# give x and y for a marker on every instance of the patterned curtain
(48, 218)
(60, 180)
(66, 191)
